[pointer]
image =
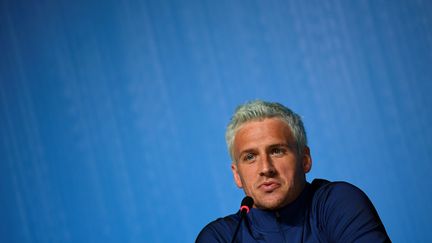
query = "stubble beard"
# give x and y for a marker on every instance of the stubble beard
(280, 198)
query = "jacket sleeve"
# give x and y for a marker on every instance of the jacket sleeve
(218, 231)
(209, 235)
(345, 214)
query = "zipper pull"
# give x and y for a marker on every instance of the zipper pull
(278, 217)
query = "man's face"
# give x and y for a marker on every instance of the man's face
(268, 167)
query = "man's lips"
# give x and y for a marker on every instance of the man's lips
(269, 186)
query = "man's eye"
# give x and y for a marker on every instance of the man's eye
(277, 151)
(249, 157)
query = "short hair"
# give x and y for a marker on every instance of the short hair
(258, 110)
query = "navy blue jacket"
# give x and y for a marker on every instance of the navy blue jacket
(324, 212)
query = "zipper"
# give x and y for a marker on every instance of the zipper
(278, 220)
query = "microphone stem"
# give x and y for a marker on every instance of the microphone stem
(242, 215)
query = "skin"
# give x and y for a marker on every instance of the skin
(267, 165)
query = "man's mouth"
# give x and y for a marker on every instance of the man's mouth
(269, 186)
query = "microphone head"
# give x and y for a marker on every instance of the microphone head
(246, 204)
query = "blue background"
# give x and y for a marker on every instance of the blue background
(112, 113)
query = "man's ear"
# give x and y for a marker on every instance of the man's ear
(236, 175)
(306, 160)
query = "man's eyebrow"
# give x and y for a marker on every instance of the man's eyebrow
(280, 145)
(246, 151)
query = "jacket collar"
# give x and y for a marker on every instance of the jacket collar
(291, 215)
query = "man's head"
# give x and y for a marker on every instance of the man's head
(268, 147)
(259, 110)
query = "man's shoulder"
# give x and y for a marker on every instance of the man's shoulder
(228, 221)
(326, 191)
(344, 213)
(220, 229)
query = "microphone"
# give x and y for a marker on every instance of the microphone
(245, 206)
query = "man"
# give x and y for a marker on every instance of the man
(270, 157)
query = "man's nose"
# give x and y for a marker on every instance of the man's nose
(267, 168)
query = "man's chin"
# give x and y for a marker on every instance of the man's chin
(272, 204)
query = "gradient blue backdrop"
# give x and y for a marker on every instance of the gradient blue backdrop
(112, 113)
